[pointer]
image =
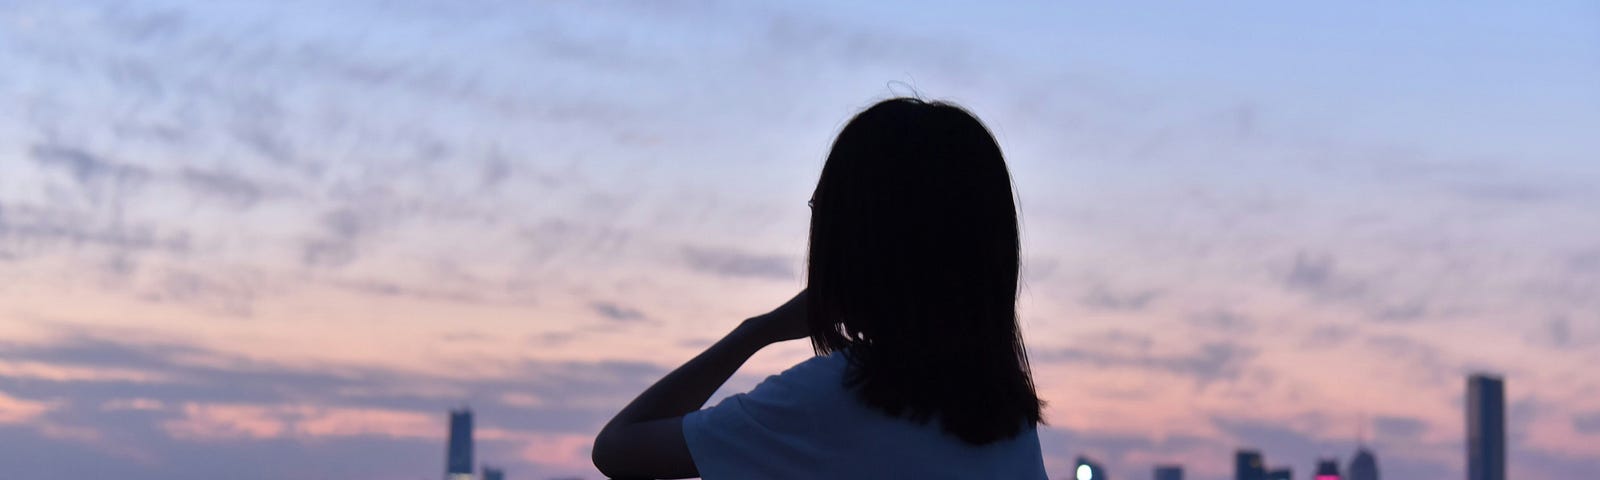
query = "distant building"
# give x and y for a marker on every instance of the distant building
(458, 458)
(1284, 473)
(1486, 428)
(1364, 466)
(493, 473)
(1088, 470)
(1248, 465)
(1169, 472)
(1327, 469)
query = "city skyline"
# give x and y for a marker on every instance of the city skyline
(258, 240)
(1484, 458)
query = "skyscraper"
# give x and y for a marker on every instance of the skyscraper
(1088, 470)
(1364, 466)
(1247, 465)
(1486, 428)
(1327, 469)
(493, 473)
(458, 459)
(1169, 472)
(1284, 473)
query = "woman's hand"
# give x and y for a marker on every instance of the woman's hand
(787, 322)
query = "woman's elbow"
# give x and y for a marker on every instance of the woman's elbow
(642, 451)
(602, 455)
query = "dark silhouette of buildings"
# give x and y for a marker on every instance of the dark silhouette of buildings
(1088, 470)
(458, 458)
(1169, 472)
(1486, 428)
(1248, 465)
(1364, 466)
(1327, 469)
(490, 473)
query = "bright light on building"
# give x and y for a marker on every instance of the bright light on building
(1085, 473)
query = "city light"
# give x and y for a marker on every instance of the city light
(1085, 473)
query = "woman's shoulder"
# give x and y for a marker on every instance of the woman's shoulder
(816, 376)
(833, 362)
(820, 368)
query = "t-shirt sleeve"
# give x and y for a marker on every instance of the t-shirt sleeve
(769, 432)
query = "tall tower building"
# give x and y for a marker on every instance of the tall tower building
(1088, 470)
(458, 458)
(1284, 473)
(1364, 466)
(490, 473)
(1169, 472)
(1248, 465)
(1327, 469)
(1486, 428)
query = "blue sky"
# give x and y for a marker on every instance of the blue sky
(235, 233)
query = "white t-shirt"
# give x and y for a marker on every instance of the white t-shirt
(804, 424)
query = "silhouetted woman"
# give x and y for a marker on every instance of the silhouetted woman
(910, 305)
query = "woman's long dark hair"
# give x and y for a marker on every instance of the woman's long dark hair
(912, 270)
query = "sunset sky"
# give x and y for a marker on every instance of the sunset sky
(280, 239)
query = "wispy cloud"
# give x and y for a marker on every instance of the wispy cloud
(1316, 274)
(187, 396)
(16, 410)
(1398, 429)
(28, 230)
(1102, 297)
(1223, 320)
(85, 167)
(235, 190)
(1210, 362)
(1587, 423)
(736, 263)
(616, 312)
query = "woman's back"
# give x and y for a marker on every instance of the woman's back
(910, 304)
(805, 423)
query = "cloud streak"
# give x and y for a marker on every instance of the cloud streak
(175, 396)
(1210, 362)
(734, 263)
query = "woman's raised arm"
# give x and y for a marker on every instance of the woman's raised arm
(645, 439)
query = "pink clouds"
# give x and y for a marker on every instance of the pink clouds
(133, 404)
(234, 422)
(202, 422)
(226, 422)
(16, 410)
(68, 373)
(561, 451)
